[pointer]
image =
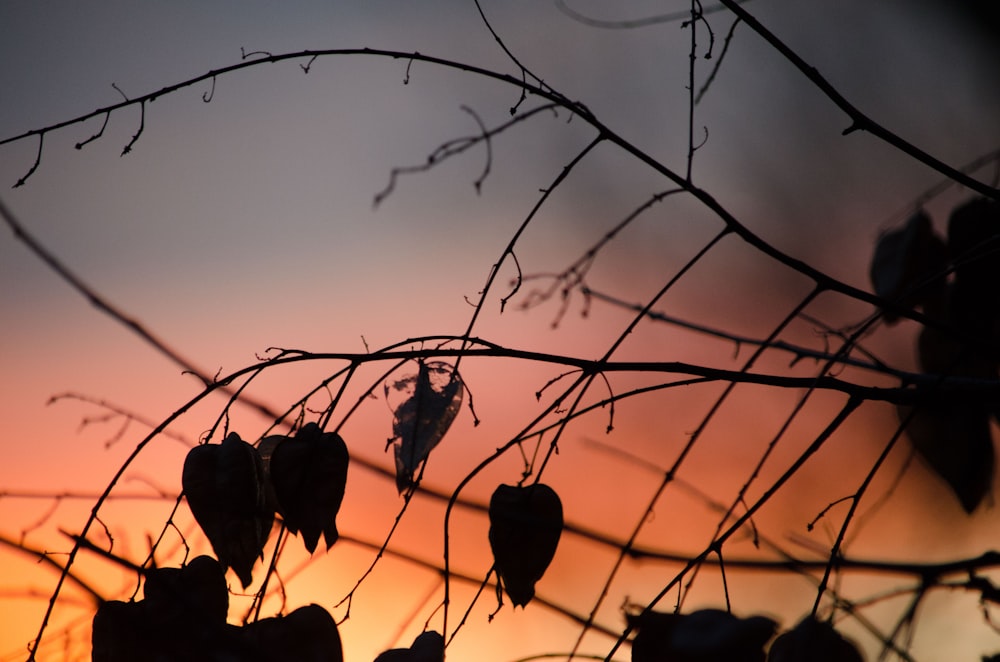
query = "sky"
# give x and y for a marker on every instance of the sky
(247, 222)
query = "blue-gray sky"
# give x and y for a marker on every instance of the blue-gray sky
(247, 222)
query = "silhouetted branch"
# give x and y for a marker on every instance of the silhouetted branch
(859, 121)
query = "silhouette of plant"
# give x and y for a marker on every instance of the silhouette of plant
(250, 489)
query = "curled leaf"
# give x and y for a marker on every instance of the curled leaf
(309, 472)
(525, 525)
(431, 401)
(226, 490)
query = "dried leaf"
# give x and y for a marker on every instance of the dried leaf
(525, 525)
(432, 399)
(226, 490)
(309, 473)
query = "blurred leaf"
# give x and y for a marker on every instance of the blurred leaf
(226, 490)
(707, 635)
(525, 525)
(432, 399)
(953, 437)
(813, 641)
(903, 261)
(309, 473)
(975, 250)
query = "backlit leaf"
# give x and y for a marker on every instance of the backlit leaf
(525, 525)
(226, 490)
(707, 635)
(903, 262)
(431, 400)
(309, 472)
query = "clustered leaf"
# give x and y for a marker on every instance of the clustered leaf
(309, 473)
(525, 525)
(183, 617)
(432, 399)
(714, 635)
(233, 490)
(951, 432)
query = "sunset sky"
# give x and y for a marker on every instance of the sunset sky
(247, 222)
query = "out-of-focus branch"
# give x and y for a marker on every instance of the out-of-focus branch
(859, 121)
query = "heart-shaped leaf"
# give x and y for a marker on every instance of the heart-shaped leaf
(309, 472)
(226, 490)
(525, 525)
(431, 400)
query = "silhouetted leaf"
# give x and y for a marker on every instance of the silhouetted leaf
(309, 472)
(953, 437)
(182, 617)
(525, 525)
(432, 399)
(427, 647)
(904, 259)
(708, 635)
(196, 591)
(308, 634)
(121, 633)
(813, 641)
(226, 490)
(974, 243)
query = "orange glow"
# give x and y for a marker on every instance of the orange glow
(242, 223)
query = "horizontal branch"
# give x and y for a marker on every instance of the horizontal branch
(920, 385)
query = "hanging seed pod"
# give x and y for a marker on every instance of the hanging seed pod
(525, 524)
(309, 472)
(227, 493)
(432, 399)
(813, 641)
(707, 635)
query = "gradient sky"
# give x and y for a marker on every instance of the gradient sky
(247, 223)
